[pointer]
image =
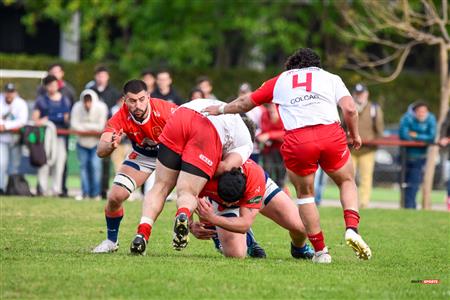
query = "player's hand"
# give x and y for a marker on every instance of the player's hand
(2, 128)
(212, 110)
(413, 134)
(205, 210)
(200, 231)
(356, 142)
(115, 139)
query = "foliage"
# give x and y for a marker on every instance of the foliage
(394, 97)
(45, 244)
(196, 33)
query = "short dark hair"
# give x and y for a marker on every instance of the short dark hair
(49, 79)
(55, 65)
(418, 104)
(196, 90)
(101, 69)
(87, 97)
(303, 58)
(148, 72)
(231, 185)
(134, 86)
(202, 79)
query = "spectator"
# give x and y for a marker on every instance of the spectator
(108, 94)
(64, 87)
(205, 85)
(67, 90)
(164, 89)
(53, 107)
(14, 115)
(149, 78)
(255, 115)
(444, 142)
(371, 126)
(417, 124)
(271, 136)
(89, 114)
(196, 94)
(101, 85)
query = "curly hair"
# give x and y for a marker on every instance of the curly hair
(303, 58)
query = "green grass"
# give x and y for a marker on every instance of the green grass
(331, 192)
(45, 244)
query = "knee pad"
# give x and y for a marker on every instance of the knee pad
(125, 181)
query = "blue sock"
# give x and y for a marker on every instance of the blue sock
(112, 225)
(250, 238)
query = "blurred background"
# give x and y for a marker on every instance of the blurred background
(397, 49)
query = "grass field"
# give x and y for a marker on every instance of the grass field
(331, 192)
(45, 246)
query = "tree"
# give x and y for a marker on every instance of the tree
(398, 26)
(196, 33)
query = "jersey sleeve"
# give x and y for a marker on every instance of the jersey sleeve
(115, 123)
(256, 187)
(264, 94)
(340, 89)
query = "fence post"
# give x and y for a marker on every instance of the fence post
(402, 176)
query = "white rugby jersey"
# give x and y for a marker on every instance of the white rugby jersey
(304, 97)
(232, 131)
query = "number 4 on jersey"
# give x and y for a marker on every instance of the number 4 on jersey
(306, 84)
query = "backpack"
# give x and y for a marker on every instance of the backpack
(33, 137)
(18, 185)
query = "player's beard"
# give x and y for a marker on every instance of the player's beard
(143, 115)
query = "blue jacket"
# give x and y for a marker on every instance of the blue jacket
(426, 132)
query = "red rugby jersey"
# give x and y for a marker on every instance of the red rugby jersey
(254, 191)
(143, 136)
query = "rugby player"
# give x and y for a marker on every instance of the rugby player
(142, 119)
(307, 97)
(193, 148)
(234, 200)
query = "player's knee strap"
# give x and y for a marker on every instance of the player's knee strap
(302, 201)
(125, 181)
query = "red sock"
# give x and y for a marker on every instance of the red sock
(114, 214)
(145, 229)
(351, 218)
(183, 210)
(317, 241)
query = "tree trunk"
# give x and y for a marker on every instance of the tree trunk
(433, 151)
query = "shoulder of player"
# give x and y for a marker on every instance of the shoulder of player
(161, 105)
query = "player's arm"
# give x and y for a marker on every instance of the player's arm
(109, 141)
(239, 224)
(246, 102)
(350, 115)
(230, 161)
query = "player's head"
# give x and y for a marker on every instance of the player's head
(303, 58)
(231, 186)
(136, 98)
